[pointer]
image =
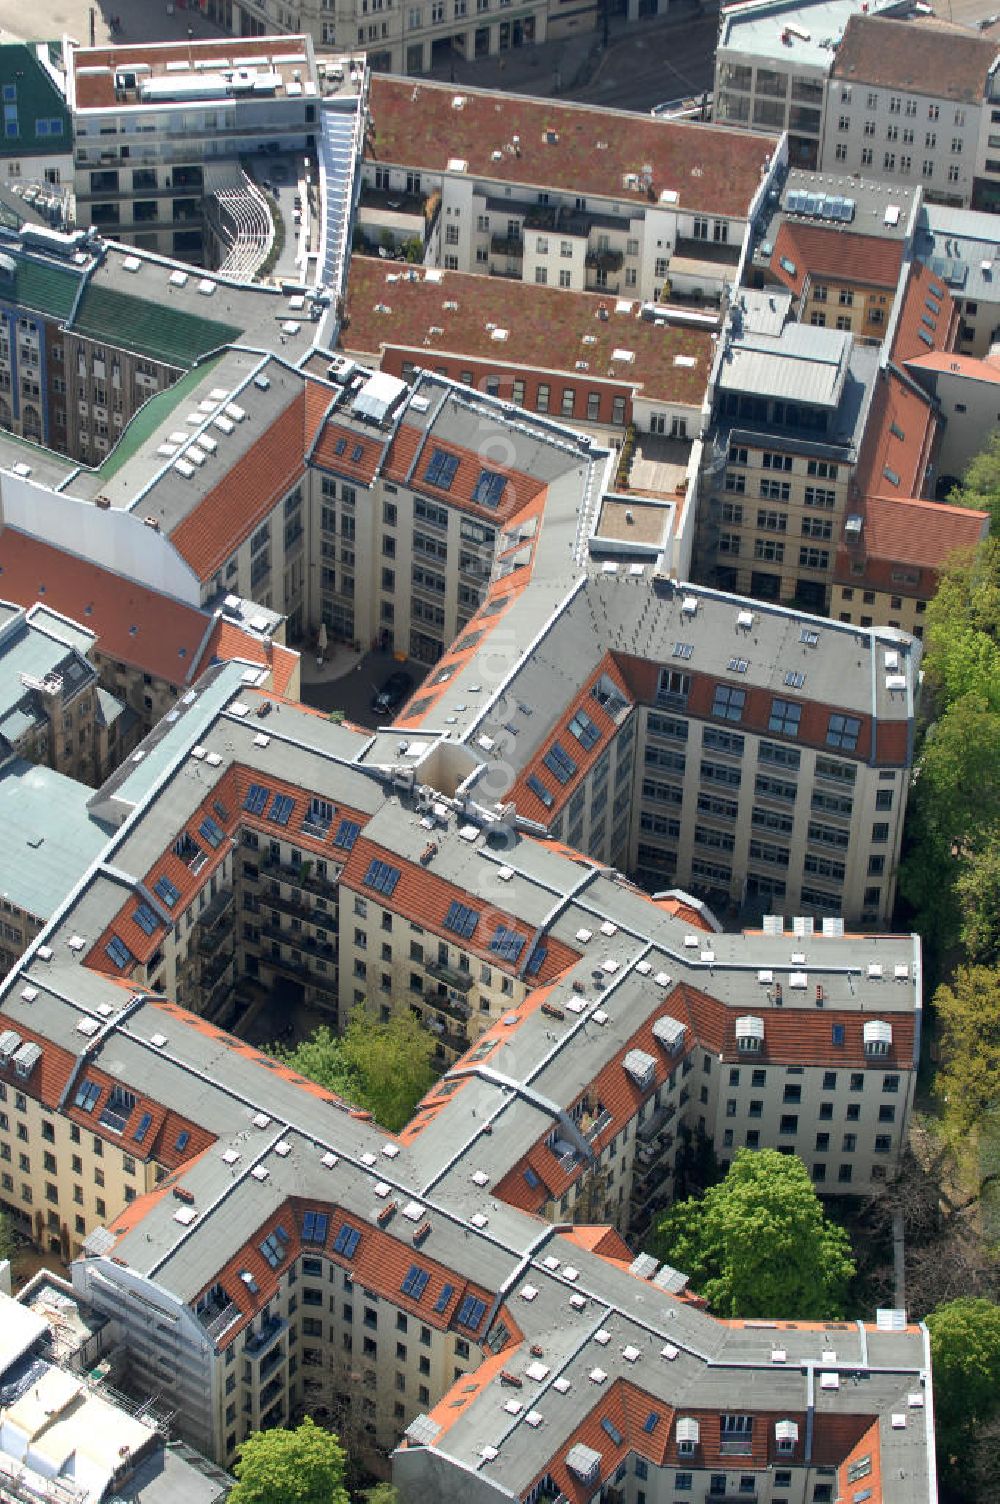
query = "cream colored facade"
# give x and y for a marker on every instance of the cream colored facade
(866, 607)
(409, 38)
(58, 1179)
(749, 819)
(770, 517)
(394, 568)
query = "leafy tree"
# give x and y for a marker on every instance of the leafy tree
(954, 811)
(980, 486)
(304, 1466)
(963, 628)
(759, 1243)
(977, 889)
(384, 1068)
(965, 1352)
(382, 1493)
(968, 1079)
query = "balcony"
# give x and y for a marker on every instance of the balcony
(262, 1340)
(301, 875)
(736, 1446)
(218, 1316)
(451, 976)
(325, 919)
(558, 220)
(216, 910)
(507, 245)
(592, 1125)
(444, 1004)
(651, 1129)
(215, 968)
(606, 261)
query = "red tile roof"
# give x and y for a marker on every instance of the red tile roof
(952, 363)
(907, 530)
(576, 148)
(823, 252)
(380, 1263)
(359, 456)
(899, 439)
(528, 802)
(231, 511)
(134, 625)
(424, 898)
(521, 488)
(499, 599)
(928, 318)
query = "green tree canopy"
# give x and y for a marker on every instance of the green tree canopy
(304, 1466)
(980, 488)
(759, 1243)
(977, 889)
(963, 628)
(384, 1068)
(968, 1079)
(954, 812)
(965, 1354)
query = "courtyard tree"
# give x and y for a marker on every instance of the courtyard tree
(304, 1466)
(384, 1068)
(759, 1244)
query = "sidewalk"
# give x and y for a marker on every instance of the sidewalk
(568, 69)
(141, 21)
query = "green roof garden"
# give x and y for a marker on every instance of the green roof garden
(150, 415)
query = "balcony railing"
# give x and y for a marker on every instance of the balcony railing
(507, 245)
(452, 976)
(262, 1340)
(606, 261)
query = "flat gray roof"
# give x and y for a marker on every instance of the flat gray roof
(760, 29)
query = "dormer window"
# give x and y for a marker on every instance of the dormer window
(688, 1434)
(750, 1034)
(786, 1435)
(878, 1037)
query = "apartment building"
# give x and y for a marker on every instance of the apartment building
(91, 332)
(913, 102)
(48, 691)
(560, 195)
(810, 405)
(772, 64)
(790, 408)
(196, 108)
(412, 39)
(279, 1239)
(966, 391)
(960, 248)
(891, 555)
(590, 361)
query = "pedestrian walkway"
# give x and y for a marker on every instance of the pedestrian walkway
(338, 144)
(572, 68)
